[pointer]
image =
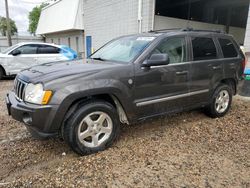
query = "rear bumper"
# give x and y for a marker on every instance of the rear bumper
(36, 118)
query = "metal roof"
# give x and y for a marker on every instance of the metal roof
(63, 15)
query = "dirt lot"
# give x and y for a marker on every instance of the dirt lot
(184, 150)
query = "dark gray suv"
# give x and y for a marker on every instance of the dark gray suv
(129, 79)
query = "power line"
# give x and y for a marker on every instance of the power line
(36, 3)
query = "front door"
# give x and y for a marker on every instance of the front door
(25, 59)
(163, 89)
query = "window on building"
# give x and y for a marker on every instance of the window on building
(45, 49)
(69, 42)
(77, 44)
(174, 47)
(59, 41)
(52, 40)
(228, 48)
(233, 12)
(203, 48)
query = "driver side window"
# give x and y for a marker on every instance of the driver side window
(28, 49)
(174, 47)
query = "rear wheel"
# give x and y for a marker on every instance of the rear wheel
(221, 101)
(92, 128)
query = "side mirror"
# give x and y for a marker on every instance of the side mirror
(156, 60)
(16, 52)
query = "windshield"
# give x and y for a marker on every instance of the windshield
(123, 49)
(9, 49)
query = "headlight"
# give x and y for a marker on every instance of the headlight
(36, 95)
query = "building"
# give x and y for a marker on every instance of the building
(103, 20)
(62, 23)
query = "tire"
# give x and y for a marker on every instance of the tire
(1, 73)
(92, 128)
(221, 101)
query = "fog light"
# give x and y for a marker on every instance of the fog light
(27, 119)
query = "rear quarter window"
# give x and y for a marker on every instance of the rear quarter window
(203, 49)
(228, 48)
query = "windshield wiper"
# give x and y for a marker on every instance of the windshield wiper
(98, 58)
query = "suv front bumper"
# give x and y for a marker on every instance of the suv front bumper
(35, 117)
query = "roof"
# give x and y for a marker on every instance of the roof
(63, 15)
(41, 43)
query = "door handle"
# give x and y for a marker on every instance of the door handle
(182, 73)
(232, 65)
(217, 67)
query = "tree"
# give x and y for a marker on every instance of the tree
(3, 26)
(34, 16)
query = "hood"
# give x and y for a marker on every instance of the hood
(54, 70)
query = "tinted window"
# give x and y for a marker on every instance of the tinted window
(228, 48)
(203, 49)
(44, 49)
(28, 49)
(175, 48)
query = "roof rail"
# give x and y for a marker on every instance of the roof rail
(203, 30)
(186, 29)
(161, 30)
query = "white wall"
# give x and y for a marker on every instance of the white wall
(162, 22)
(63, 36)
(247, 38)
(107, 19)
(60, 16)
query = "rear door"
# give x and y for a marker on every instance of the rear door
(47, 53)
(233, 59)
(206, 68)
(163, 89)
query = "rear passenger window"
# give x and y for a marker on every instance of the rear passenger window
(44, 49)
(203, 48)
(228, 48)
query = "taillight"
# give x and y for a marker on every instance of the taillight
(244, 63)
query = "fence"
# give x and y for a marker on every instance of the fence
(18, 39)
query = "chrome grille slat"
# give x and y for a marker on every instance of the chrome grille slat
(19, 88)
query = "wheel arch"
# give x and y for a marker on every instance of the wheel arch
(110, 98)
(232, 83)
(4, 71)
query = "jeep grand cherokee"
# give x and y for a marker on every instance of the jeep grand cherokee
(129, 79)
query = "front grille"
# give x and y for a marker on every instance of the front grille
(19, 88)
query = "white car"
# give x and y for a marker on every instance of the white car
(25, 55)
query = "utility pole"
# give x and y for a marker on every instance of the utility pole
(8, 23)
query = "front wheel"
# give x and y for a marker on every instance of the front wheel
(221, 101)
(1, 73)
(92, 128)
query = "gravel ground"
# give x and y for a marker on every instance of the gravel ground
(182, 150)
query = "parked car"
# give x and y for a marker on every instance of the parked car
(24, 55)
(131, 78)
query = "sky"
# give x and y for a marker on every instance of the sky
(19, 11)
